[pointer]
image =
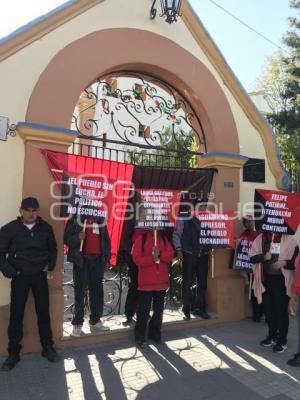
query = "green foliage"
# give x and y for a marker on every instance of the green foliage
(169, 157)
(280, 83)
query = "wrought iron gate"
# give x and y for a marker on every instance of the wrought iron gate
(135, 117)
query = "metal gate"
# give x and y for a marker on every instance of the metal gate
(134, 117)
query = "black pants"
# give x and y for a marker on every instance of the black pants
(90, 277)
(143, 311)
(257, 309)
(20, 287)
(276, 304)
(199, 265)
(132, 294)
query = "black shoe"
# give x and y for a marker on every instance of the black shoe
(186, 312)
(127, 322)
(256, 319)
(268, 342)
(279, 348)
(202, 314)
(50, 353)
(157, 340)
(142, 344)
(295, 361)
(11, 361)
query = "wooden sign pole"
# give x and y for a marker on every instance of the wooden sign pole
(82, 241)
(250, 285)
(212, 263)
(155, 243)
(155, 237)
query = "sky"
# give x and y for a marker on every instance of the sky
(245, 51)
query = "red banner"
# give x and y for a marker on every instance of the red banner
(161, 208)
(279, 211)
(216, 229)
(93, 188)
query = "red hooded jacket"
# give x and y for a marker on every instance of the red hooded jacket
(152, 276)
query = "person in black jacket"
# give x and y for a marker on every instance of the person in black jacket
(27, 252)
(88, 268)
(194, 258)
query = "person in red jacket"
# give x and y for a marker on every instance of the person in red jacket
(153, 281)
(295, 361)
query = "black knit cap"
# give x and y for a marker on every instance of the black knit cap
(30, 202)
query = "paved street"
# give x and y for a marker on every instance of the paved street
(218, 362)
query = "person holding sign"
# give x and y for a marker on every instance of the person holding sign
(194, 257)
(27, 256)
(274, 258)
(151, 252)
(242, 261)
(89, 251)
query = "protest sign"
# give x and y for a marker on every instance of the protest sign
(161, 208)
(241, 257)
(216, 229)
(277, 211)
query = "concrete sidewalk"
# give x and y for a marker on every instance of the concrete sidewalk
(217, 362)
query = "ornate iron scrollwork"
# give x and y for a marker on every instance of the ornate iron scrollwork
(138, 110)
(153, 10)
(169, 11)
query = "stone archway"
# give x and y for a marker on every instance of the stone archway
(80, 63)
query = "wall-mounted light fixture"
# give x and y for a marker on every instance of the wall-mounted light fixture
(3, 128)
(170, 10)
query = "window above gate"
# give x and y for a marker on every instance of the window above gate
(126, 108)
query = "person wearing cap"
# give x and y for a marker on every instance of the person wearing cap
(89, 250)
(27, 252)
(194, 258)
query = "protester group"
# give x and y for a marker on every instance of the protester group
(28, 253)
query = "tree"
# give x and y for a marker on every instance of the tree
(280, 82)
(169, 157)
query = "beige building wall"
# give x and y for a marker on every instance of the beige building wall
(11, 181)
(20, 72)
(11, 177)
